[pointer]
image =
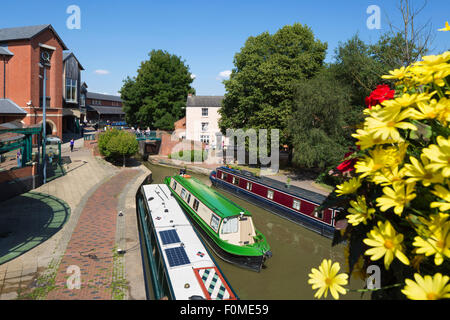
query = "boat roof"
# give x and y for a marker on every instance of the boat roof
(212, 199)
(278, 185)
(189, 266)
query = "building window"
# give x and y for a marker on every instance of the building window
(83, 100)
(196, 203)
(215, 221)
(296, 204)
(205, 126)
(71, 90)
(249, 186)
(270, 194)
(204, 112)
(204, 139)
(235, 180)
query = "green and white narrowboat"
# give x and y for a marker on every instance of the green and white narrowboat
(227, 228)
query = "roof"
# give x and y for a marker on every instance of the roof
(27, 33)
(107, 110)
(278, 185)
(7, 106)
(68, 54)
(212, 199)
(100, 96)
(10, 136)
(5, 52)
(204, 101)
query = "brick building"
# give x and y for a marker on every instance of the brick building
(21, 76)
(101, 108)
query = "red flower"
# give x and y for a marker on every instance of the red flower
(380, 94)
(348, 165)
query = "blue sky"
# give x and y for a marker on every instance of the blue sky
(116, 36)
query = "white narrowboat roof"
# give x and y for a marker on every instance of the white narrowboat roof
(191, 270)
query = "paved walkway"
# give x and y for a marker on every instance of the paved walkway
(92, 245)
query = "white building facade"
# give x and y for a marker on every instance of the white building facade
(202, 119)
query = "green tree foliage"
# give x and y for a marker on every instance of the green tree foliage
(260, 90)
(319, 123)
(116, 144)
(156, 97)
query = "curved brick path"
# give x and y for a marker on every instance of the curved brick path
(94, 235)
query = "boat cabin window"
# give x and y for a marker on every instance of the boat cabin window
(296, 204)
(195, 206)
(249, 186)
(270, 194)
(188, 198)
(235, 180)
(224, 176)
(230, 225)
(183, 193)
(215, 221)
(174, 186)
(318, 214)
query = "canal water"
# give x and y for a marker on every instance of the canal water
(295, 251)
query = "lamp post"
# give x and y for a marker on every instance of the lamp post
(45, 62)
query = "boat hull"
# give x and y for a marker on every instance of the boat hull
(298, 218)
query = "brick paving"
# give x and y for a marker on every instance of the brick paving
(92, 244)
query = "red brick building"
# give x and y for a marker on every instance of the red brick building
(23, 80)
(103, 107)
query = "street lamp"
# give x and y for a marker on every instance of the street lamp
(45, 63)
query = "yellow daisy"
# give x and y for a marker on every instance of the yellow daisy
(439, 156)
(437, 243)
(348, 187)
(386, 243)
(327, 278)
(444, 194)
(397, 74)
(398, 197)
(418, 172)
(387, 122)
(427, 288)
(359, 211)
(388, 176)
(446, 28)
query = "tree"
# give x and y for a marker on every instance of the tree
(115, 144)
(320, 121)
(156, 97)
(260, 90)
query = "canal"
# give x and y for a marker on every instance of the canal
(295, 251)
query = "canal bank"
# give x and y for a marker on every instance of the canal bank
(295, 251)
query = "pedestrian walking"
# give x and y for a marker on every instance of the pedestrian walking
(71, 145)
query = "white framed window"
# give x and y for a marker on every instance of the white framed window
(296, 204)
(205, 126)
(270, 194)
(174, 186)
(83, 100)
(215, 221)
(235, 180)
(204, 112)
(230, 225)
(188, 198)
(249, 186)
(183, 193)
(224, 175)
(71, 90)
(318, 214)
(196, 203)
(204, 139)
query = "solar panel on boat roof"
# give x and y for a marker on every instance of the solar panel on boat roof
(177, 256)
(169, 236)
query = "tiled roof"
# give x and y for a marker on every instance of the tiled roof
(67, 54)
(204, 101)
(99, 96)
(107, 110)
(28, 32)
(7, 106)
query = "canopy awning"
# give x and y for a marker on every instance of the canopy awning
(107, 110)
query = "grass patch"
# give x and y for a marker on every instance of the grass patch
(119, 284)
(42, 286)
(189, 155)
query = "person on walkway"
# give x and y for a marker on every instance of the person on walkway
(19, 158)
(71, 145)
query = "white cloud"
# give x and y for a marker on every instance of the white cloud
(224, 75)
(101, 72)
(193, 76)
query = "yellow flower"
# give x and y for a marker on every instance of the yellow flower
(437, 242)
(348, 187)
(446, 28)
(366, 139)
(385, 123)
(439, 156)
(397, 74)
(360, 212)
(418, 172)
(388, 176)
(433, 60)
(385, 242)
(427, 288)
(444, 194)
(327, 278)
(398, 197)
(380, 158)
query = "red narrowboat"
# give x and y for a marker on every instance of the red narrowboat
(290, 202)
